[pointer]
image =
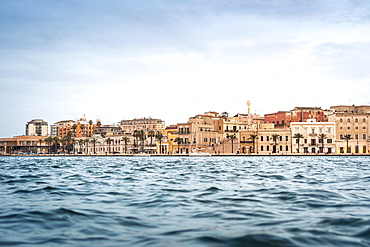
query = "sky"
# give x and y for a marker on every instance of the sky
(115, 60)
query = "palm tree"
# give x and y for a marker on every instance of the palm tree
(178, 140)
(125, 140)
(136, 135)
(86, 141)
(322, 137)
(83, 127)
(73, 142)
(159, 136)
(56, 145)
(74, 127)
(109, 141)
(232, 138)
(80, 142)
(253, 137)
(142, 138)
(298, 136)
(48, 141)
(347, 138)
(275, 138)
(151, 134)
(94, 141)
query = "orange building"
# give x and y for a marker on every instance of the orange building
(282, 119)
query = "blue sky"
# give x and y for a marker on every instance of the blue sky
(114, 60)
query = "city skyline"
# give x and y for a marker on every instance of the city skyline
(171, 60)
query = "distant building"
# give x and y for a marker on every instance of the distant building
(352, 128)
(37, 127)
(318, 137)
(282, 119)
(146, 124)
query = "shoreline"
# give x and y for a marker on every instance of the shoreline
(177, 155)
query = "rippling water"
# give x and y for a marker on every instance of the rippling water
(184, 201)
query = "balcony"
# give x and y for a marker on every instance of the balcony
(312, 134)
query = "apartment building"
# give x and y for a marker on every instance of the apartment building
(282, 119)
(37, 127)
(317, 137)
(352, 128)
(146, 124)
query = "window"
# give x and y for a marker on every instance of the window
(267, 139)
(364, 136)
(281, 138)
(329, 141)
(341, 120)
(286, 138)
(261, 138)
(329, 130)
(356, 120)
(261, 148)
(364, 120)
(267, 148)
(348, 120)
(341, 136)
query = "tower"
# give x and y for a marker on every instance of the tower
(249, 112)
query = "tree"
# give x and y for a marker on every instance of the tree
(94, 141)
(49, 141)
(159, 136)
(178, 140)
(232, 138)
(56, 145)
(73, 142)
(275, 138)
(125, 140)
(225, 115)
(253, 137)
(298, 136)
(347, 138)
(74, 127)
(109, 141)
(83, 127)
(80, 142)
(142, 138)
(151, 134)
(86, 141)
(322, 137)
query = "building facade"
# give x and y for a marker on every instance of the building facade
(37, 127)
(316, 137)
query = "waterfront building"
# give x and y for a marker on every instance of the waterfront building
(268, 139)
(352, 128)
(23, 145)
(202, 133)
(146, 124)
(282, 119)
(316, 137)
(62, 129)
(37, 127)
(73, 129)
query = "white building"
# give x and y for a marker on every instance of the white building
(318, 137)
(37, 127)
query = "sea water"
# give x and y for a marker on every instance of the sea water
(185, 201)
